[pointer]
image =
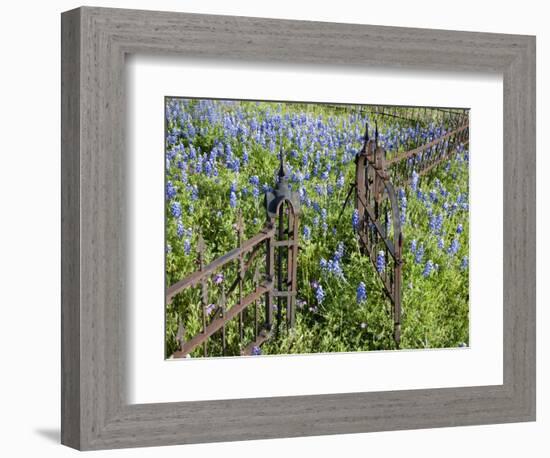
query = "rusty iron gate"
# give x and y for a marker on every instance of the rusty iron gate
(280, 238)
(379, 234)
(379, 230)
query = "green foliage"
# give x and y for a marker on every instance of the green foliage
(435, 306)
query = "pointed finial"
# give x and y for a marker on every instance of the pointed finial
(376, 132)
(366, 131)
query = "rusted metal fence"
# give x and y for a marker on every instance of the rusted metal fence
(379, 233)
(280, 238)
(376, 176)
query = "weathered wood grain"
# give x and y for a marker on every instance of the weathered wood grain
(95, 41)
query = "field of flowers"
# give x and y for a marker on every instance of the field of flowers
(221, 158)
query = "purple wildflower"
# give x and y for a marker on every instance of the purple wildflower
(180, 229)
(170, 190)
(187, 246)
(175, 209)
(380, 261)
(355, 220)
(428, 268)
(361, 293)
(455, 245)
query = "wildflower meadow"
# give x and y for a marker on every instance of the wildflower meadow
(222, 157)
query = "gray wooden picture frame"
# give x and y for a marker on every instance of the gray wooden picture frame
(95, 413)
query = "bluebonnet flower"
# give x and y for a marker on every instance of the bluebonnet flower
(380, 261)
(254, 180)
(210, 308)
(184, 177)
(413, 246)
(194, 192)
(355, 220)
(414, 181)
(340, 181)
(190, 130)
(403, 211)
(307, 232)
(324, 175)
(256, 351)
(464, 263)
(316, 206)
(319, 294)
(335, 268)
(440, 243)
(319, 190)
(175, 209)
(361, 293)
(218, 279)
(436, 223)
(180, 229)
(198, 165)
(187, 246)
(339, 253)
(455, 245)
(428, 268)
(170, 190)
(419, 254)
(302, 194)
(332, 266)
(459, 229)
(232, 199)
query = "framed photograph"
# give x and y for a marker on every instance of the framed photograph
(268, 234)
